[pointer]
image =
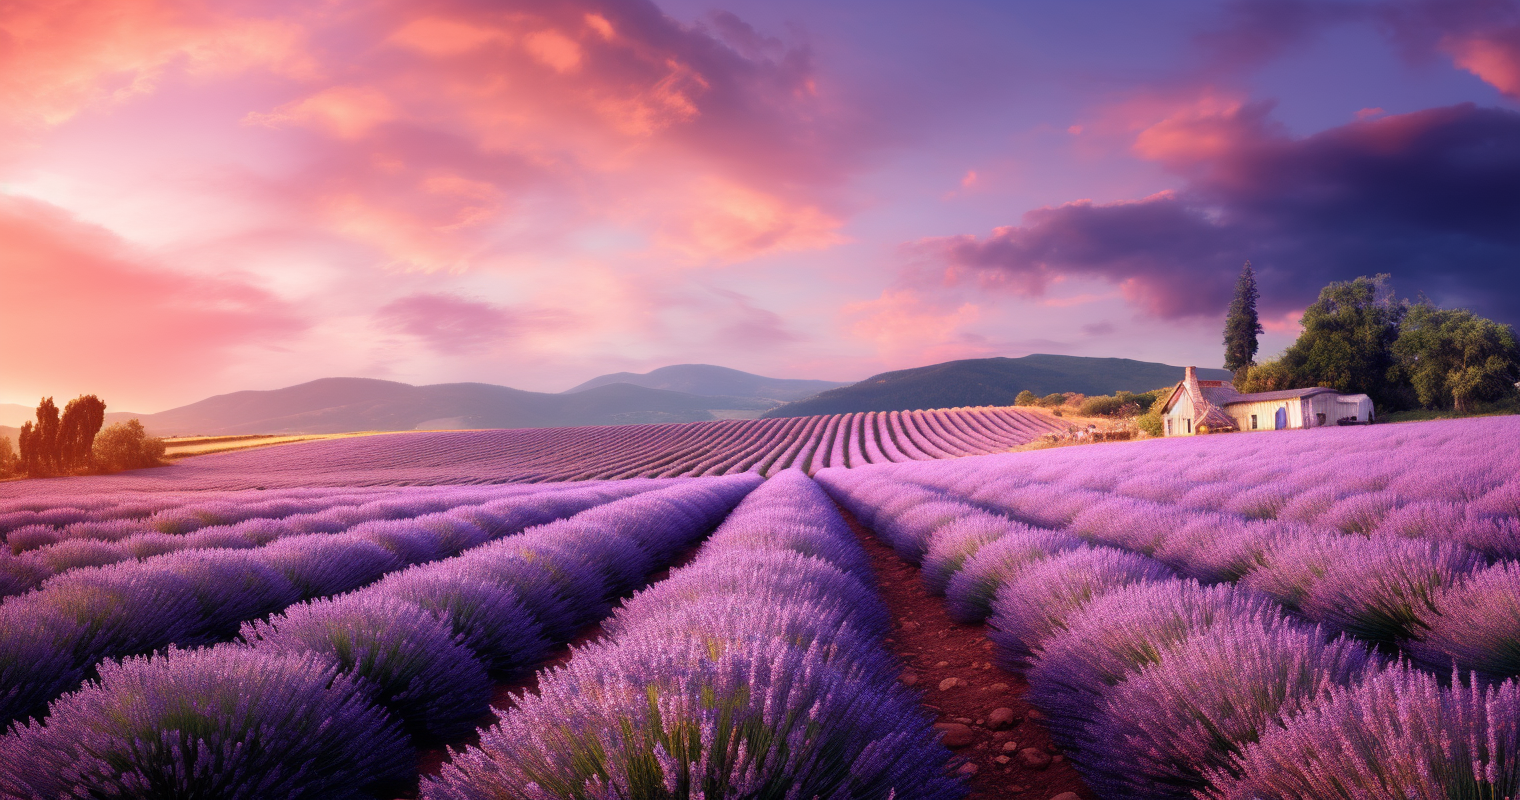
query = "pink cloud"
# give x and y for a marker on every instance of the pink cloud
(454, 325)
(1493, 56)
(80, 302)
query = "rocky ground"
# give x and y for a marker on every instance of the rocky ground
(980, 708)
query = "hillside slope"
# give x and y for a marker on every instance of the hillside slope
(337, 405)
(706, 379)
(989, 382)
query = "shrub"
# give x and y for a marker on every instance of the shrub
(953, 544)
(1397, 734)
(680, 719)
(1039, 599)
(126, 445)
(1122, 632)
(488, 618)
(1025, 398)
(224, 722)
(1473, 625)
(970, 591)
(1162, 730)
(403, 656)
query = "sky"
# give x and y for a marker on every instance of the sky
(202, 197)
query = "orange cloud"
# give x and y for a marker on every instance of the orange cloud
(82, 303)
(347, 112)
(63, 55)
(730, 222)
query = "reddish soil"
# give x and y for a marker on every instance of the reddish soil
(1016, 762)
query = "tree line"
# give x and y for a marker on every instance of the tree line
(1359, 338)
(72, 442)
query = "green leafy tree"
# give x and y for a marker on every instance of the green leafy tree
(1025, 398)
(1346, 344)
(1453, 357)
(127, 445)
(1241, 324)
(81, 421)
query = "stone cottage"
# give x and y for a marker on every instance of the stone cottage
(1215, 406)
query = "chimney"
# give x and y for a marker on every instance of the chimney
(1189, 374)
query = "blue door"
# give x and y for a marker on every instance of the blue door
(1282, 418)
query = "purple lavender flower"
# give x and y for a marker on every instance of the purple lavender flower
(1398, 734)
(405, 657)
(38, 660)
(1473, 624)
(488, 618)
(225, 722)
(1376, 589)
(1159, 732)
(1121, 632)
(971, 590)
(1039, 599)
(322, 564)
(954, 544)
(658, 717)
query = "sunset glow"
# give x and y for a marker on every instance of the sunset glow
(199, 197)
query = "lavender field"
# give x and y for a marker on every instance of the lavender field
(691, 449)
(1332, 613)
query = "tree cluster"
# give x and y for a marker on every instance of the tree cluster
(71, 442)
(1359, 338)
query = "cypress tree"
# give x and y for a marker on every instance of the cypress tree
(45, 438)
(1241, 325)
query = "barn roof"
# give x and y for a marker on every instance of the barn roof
(1262, 397)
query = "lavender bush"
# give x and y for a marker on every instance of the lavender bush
(1473, 625)
(224, 722)
(1397, 734)
(407, 660)
(1158, 733)
(1039, 599)
(971, 590)
(1122, 632)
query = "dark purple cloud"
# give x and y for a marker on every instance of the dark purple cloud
(1432, 197)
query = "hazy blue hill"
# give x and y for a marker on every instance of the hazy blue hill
(706, 379)
(990, 382)
(336, 405)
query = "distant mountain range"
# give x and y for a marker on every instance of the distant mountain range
(680, 393)
(990, 382)
(708, 380)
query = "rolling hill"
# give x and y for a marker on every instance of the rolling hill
(706, 379)
(337, 405)
(989, 382)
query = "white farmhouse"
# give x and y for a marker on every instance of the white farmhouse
(1215, 406)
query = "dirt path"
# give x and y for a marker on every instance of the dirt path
(1008, 755)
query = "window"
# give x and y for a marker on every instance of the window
(1253, 422)
(1319, 419)
(1189, 426)
(1168, 426)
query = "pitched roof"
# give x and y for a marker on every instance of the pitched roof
(1262, 397)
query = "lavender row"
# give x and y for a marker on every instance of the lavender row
(1452, 478)
(181, 512)
(1440, 602)
(756, 671)
(574, 454)
(326, 699)
(1155, 685)
(42, 553)
(50, 639)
